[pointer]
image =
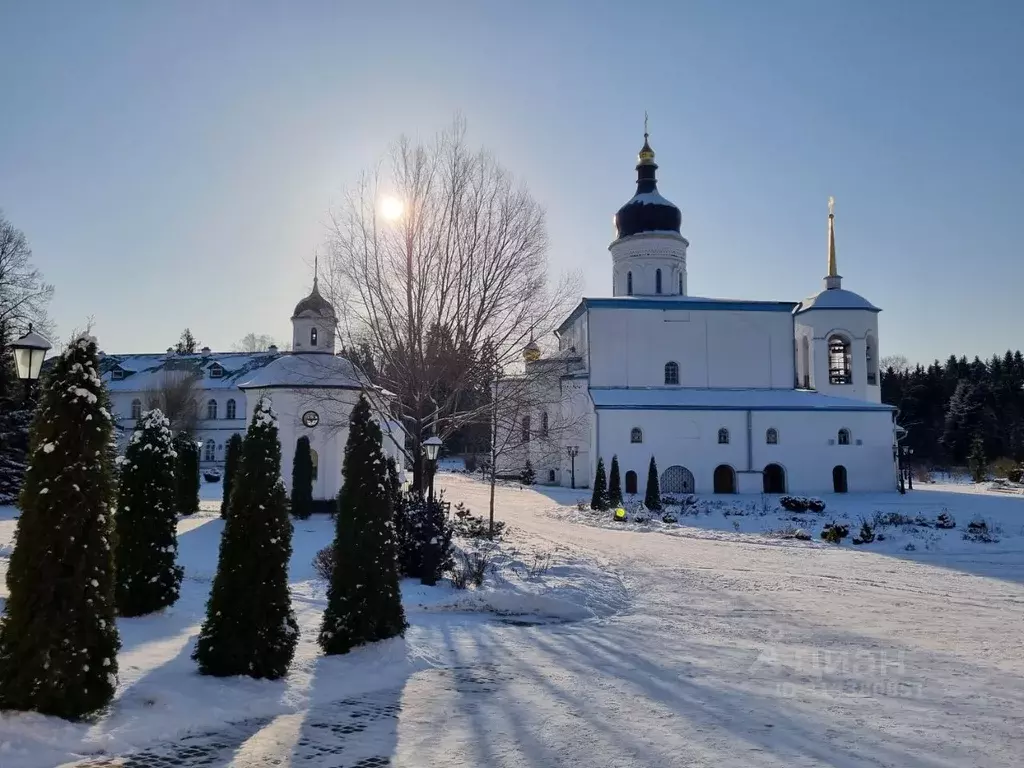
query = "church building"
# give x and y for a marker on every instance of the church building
(312, 389)
(727, 395)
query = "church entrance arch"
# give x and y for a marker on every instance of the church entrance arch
(774, 479)
(725, 479)
(839, 479)
(677, 479)
(631, 482)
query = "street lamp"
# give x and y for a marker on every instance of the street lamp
(29, 352)
(432, 445)
(907, 453)
(573, 451)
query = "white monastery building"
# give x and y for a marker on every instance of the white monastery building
(727, 395)
(311, 388)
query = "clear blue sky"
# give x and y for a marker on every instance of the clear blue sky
(172, 162)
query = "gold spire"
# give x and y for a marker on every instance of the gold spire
(832, 271)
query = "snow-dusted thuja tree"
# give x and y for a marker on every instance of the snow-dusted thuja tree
(146, 524)
(250, 628)
(58, 638)
(232, 457)
(186, 473)
(302, 480)
(364, 603)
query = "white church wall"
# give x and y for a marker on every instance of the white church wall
(690, 439)
(714, 348)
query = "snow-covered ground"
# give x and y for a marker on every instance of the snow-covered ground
(626, 645)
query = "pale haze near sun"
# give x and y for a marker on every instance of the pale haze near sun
(391, 208)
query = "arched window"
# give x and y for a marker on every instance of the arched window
(871, 360)
(629, 283)
(671, 373)
(844, 436)
(636, 435)
(211, 409)
(631, 482)
(315, 459)
(544, 424)
(312, 336)
(840, 365)
(772, 436)
(526, 429)
(723, 436)
(210, 450)
(230, 410)
(680, 283)
(657, 281)
(136, 408)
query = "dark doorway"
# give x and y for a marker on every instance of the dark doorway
(839, 479)
(725, 479)
(774, 479)
(631, 482)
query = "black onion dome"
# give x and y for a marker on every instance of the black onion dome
(314, 302)
(647, 211)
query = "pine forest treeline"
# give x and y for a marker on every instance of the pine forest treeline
(945, 406)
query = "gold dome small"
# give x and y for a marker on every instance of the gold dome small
(531, 353)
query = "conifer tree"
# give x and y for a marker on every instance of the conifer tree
(302, 480)
(250, 628)
(614, 484)
(652, 498)
(528, 476)
(599, 499)
(58, 637)
(364, 603)
(232, 458)
(146, 524)
(976, 461)
(186, 473)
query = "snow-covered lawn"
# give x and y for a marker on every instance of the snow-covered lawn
(690, 644)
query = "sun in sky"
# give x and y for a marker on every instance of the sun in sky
(391, 208)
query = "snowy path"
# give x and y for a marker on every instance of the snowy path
(730, 652)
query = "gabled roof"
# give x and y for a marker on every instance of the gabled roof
(308, 371)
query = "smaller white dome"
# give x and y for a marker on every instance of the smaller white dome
(836, 298)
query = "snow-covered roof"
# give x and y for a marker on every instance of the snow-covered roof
(147, 371)
(307, 371)
(687, 399)
(836, 298)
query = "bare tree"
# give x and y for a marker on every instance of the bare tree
(23, 293)
(534, 415)
(176, 394)
(898, 363)
(449, 290)
(255, 342)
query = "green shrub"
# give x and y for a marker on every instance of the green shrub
(834, 533)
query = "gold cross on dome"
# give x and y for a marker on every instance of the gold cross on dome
(831, 205)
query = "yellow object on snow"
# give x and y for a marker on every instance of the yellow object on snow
(620, 514)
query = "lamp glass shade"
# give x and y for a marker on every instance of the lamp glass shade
(432, 445)
(29, 362)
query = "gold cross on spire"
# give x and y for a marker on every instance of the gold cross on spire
(645, 123)
(831, 205)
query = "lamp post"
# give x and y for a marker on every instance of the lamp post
(29, 352)
(573, 451)
(907, 453)
(432, 445)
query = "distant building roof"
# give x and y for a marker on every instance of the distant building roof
(302, 371)
(146, 371)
